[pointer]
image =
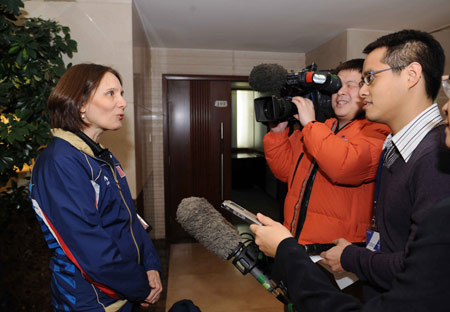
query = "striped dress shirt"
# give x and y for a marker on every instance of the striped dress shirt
(407, 139)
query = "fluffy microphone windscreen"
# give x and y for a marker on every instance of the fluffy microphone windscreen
(267, 77)
(199, 218)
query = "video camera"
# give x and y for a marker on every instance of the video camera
(281, 86)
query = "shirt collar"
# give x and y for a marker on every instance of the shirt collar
(409, 137)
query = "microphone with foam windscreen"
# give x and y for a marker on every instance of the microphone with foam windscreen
(208, 227)
(268, 78)
(201, 220)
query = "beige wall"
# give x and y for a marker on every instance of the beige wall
(101, 39)
(329, 54)
(343, 47)
(143, 121)
(358, 39)
(443, 37)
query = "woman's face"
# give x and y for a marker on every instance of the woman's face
(105, 108)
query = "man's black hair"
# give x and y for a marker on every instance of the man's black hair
(353, 64)
(407, 46)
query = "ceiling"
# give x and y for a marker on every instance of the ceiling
(279, 25)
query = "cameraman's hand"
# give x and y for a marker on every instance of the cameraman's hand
(269, 235)
(279, 127)
(305, 109)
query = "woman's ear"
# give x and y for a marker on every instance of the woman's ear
(83, 111)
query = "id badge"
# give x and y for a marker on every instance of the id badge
(372, 240)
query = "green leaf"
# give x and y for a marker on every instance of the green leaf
(19, 60)
(13, 6)
(24, 114)
(7, 161)
(13, 49)
(25, 54)
(59, 71)
(32, 53)
(11, 138)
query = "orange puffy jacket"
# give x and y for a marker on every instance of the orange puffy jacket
(341, 197)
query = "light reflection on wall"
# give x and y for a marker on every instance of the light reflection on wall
(247, 133)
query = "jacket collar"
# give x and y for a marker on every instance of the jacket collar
(73, 139)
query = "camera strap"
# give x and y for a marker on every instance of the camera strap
(307, 189)
(296, 167)
(305, 199)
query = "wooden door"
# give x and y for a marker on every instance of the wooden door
(197, 141)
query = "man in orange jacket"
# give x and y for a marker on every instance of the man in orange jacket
(329, 167)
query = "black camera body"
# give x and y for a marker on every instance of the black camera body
(308, 83)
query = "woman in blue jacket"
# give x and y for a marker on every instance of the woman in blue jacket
(103, 258)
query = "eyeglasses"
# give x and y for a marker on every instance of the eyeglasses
(369, 77)
(446, 87)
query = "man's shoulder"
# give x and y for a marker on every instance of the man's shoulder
(432, 143)
(432, 152)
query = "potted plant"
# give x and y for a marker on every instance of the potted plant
(31, 62)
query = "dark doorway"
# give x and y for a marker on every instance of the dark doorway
(198, 156)
(197, 146)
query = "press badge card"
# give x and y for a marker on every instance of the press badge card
(372, 240)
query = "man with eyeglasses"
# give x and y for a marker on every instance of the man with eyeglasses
(401, 79)
(423, 285)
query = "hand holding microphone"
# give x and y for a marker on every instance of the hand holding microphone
(270, 235)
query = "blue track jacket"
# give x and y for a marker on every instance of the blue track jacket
(101, 251)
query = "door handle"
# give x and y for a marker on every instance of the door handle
(221, 161)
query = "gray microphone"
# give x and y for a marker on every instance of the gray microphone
(199, 218)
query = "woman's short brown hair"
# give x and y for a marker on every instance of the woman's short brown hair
(73, 90)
